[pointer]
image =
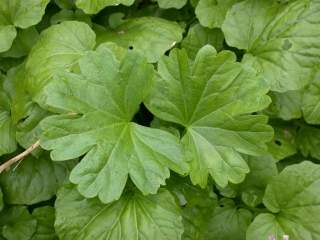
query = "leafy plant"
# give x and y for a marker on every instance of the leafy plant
(157, 119)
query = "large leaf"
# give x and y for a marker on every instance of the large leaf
(280, 38)
(103, 99)
(213, 98)
(150, 35)
(33, 180)
(293, 196)
(211, 13)
(45, 217)
(59, 48)
(134, 216)
(16, 223)
(94, 6)
(7, 128)
(18, 13)
(199, 36)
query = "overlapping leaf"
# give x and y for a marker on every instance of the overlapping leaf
(101, 102)
(18, 13)
(280, 38)
(94, 6)
(133, 216)
(213, 98)
(151, 35)
(293, 197)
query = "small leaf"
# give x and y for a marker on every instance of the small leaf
(45, 217)
(150, 35)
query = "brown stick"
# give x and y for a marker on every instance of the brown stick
(19, 157)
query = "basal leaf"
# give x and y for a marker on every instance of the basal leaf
(45, 217)
(293, 197)
(102, 100)
(280, 38)
(18, 13)
(7, 128)
(213, 98)
(199, 36)
(150, 35)
(171, 4)
(133, 216)
(16, 223)
(310, 101)
(228, 222)
(33, 180)
(211, 13)
(59, 48)
(94, 6)
(308, 140)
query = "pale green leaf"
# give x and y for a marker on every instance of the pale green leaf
(293, 196)
(95, 6)
(311, 101)
(211, 13)
(283, 143)
(45, 217)
(16, 223)
(103, 100)
(18, 13)
(33, 180)
(171, 4)
(58, 49)
(286, 105)
(150, 35)
(21, 46)
(212, 98)
(133, 216)
(199, 36)
(280, 38)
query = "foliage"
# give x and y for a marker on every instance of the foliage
(158, 119)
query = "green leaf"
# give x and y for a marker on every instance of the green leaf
(65, 4)
(310, 101)
(33, 180)
(45, 217)
(7, 128)
(150, 35)
(199, 36)
(262, 170)
(283, 143)
(171, 4)
(277, 38)
(58, 49)
(18, 13)
(286, 105)
(21, 46)
(213, 98)
(293, 197)
(102, 100)
(228, 222)
(211, 13)
(133, 216)
(70, 15)
(308, 141)
(95, 6)
(16, 223)
(1, 200)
